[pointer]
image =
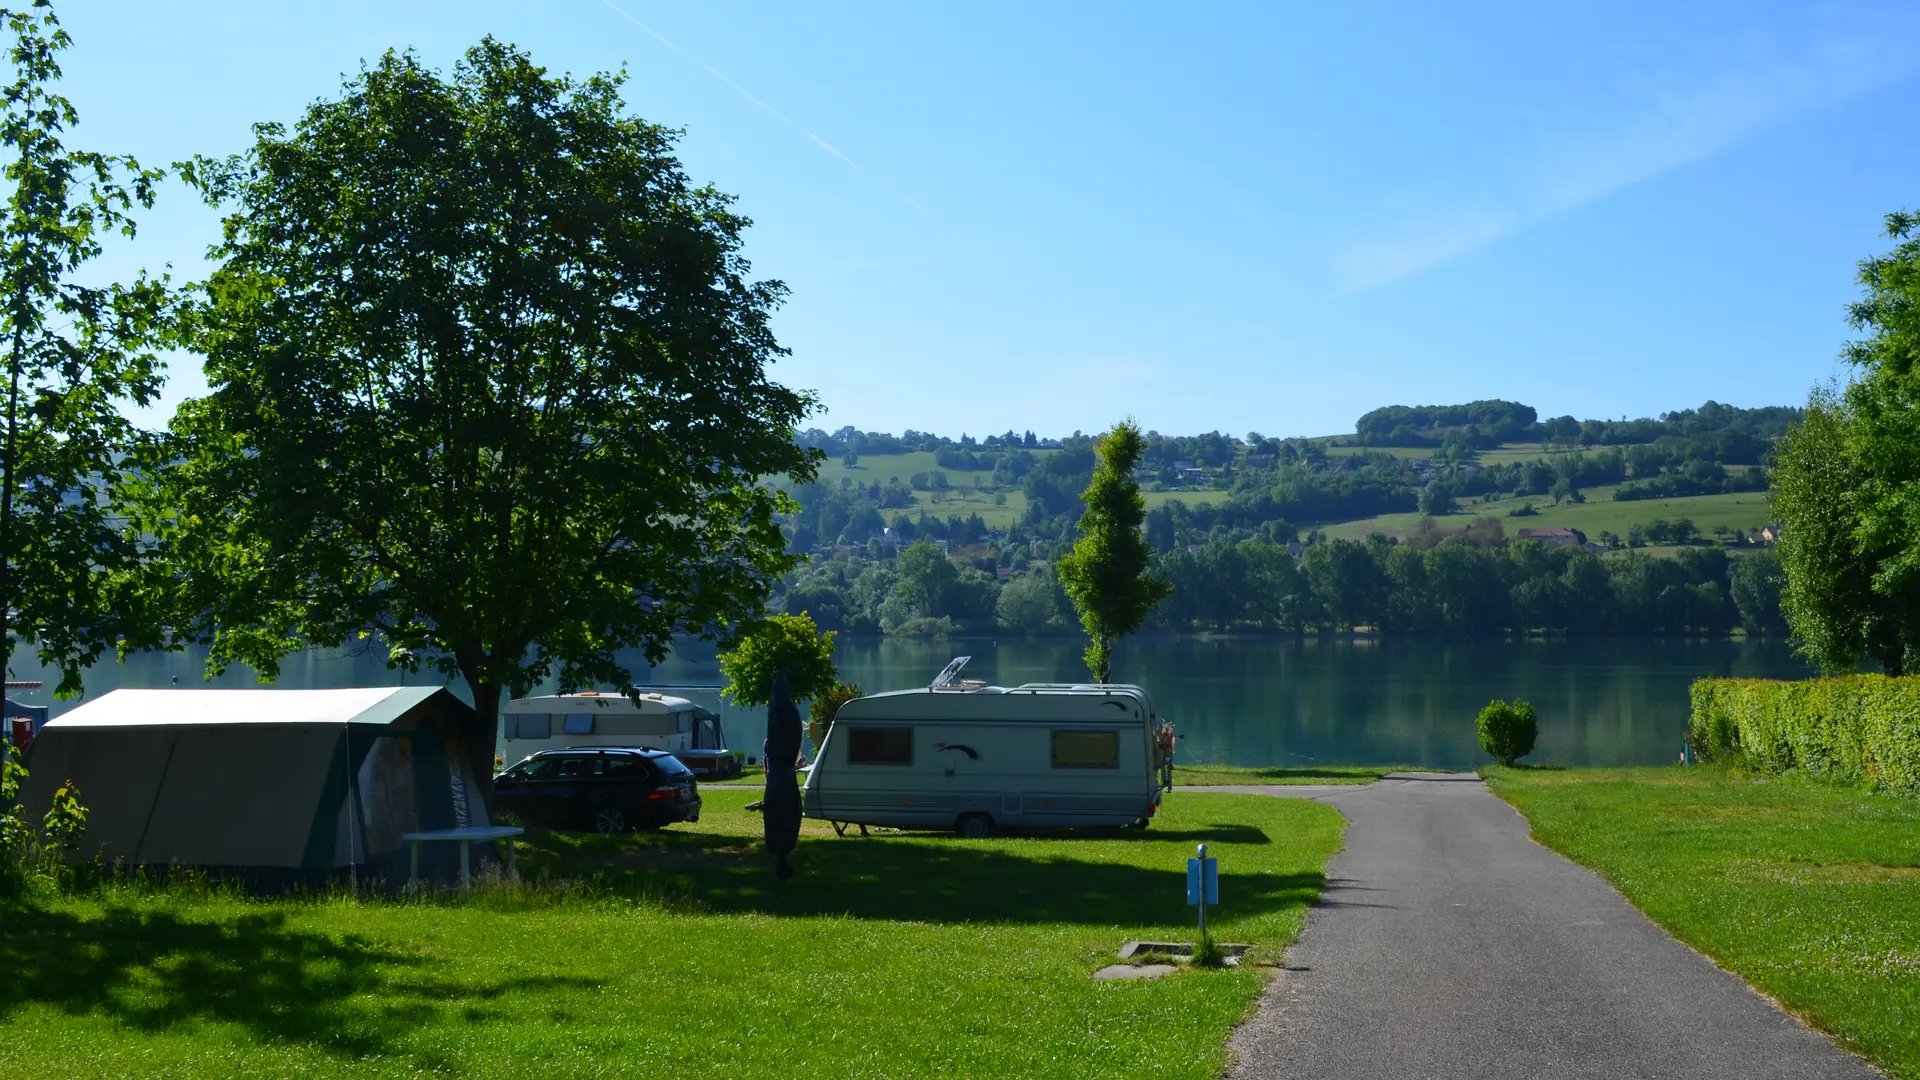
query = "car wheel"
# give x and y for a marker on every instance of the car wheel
(1140, 823)
(974, 826)
(609, 819)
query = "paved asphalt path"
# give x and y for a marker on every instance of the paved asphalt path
(1448, 944)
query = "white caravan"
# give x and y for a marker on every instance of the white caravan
(977, 758)
(656, 721)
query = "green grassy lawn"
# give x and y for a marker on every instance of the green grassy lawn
(891, 956)
(1808, 891)
(1600, 513)
(1216, 775)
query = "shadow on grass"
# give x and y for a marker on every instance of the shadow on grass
(897, 877)
(153, 970)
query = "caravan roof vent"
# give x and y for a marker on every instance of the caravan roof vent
(948, 673)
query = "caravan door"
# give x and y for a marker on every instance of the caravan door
(970, 770)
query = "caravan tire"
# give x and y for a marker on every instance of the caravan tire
(974, 826)
(609, 819)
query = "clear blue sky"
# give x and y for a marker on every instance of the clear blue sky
(1242, 217)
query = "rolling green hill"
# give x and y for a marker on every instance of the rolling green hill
(973, 492)
(1745, 510)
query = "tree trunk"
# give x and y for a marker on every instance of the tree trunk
(481, 735)
(6, 498)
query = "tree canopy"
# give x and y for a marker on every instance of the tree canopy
(1847, 482)
(1108, 574)
(488, 381)
(789, 643)
(76, 354)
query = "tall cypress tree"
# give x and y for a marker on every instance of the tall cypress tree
(1107, 572)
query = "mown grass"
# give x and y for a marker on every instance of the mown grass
(1809, 891)
(1218, 775)
(890, 956)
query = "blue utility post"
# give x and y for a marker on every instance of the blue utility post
(1203, 885)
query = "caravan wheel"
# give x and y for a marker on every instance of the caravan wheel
(974, 826)
(609, 819)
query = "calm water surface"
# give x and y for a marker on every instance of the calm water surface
(1237, 701)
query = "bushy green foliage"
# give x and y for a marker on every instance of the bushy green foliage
(1507, 731)
(28, 854)
(789, 643)
(1857, 728)
(1848, 482)
(825, 705)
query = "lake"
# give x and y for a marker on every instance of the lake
(1236, 701)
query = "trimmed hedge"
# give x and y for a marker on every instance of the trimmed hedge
(1854, 728)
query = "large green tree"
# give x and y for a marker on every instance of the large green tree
(489, 383)
(1108, 573)
(1847, 483)
(76, 353)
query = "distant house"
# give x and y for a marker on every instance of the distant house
(1598, 548)
(1182, 466)
(1193, 475)
(1554, 536)
(1261, 461)
(1768, 535)
(1296, 549)
(1003, 572)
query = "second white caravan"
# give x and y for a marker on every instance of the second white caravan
(977, 759)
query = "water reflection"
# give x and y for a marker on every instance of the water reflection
(1238, 701)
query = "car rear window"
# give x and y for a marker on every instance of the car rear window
(670, 767)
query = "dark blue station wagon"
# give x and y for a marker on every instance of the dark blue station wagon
(603, 790)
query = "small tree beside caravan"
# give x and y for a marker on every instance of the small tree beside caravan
(1108, 572)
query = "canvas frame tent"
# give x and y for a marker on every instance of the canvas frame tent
(278, 787)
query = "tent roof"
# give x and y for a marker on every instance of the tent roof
(149, 708)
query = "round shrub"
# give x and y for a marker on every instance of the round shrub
(1507, 731)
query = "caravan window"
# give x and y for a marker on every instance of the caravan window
(528, 726)
(578, 723)
(1086, 749)
(880, 746)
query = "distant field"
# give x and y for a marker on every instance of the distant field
(1747, 510)
(1396, 451)
(1505, 454)
(877, 470)
(1600, 513)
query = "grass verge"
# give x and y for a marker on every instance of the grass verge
(895, 955)
(1808, 891)
(1219, 775)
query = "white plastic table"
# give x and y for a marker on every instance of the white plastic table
(466, 837)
